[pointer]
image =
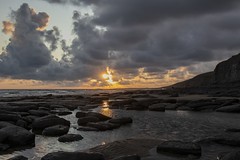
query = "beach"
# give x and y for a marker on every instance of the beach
(120, 124)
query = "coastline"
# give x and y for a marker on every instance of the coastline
(153, 101)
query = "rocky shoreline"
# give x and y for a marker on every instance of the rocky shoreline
(22, 118)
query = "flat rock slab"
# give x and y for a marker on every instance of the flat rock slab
(73, 156)
(70, 138)
(178, 147)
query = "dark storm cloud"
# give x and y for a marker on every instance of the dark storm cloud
(27, 56)
(26, 51)
(125, 35)
(52, 37)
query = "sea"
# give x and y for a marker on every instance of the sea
(40, 92)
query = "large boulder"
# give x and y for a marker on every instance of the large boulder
(178, 147)
(15, 136)
(70, 138)
(40, 124)
(55, 131)
(73, 156)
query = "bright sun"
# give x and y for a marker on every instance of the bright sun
(108, 76)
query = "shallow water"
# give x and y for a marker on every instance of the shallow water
(169, 125)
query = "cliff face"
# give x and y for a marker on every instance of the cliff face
(202, 80)
(228, 71)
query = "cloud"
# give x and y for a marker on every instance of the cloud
(8, 27)
(137, 39)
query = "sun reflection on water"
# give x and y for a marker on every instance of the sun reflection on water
(105, 109)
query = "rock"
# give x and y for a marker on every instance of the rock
(233, 130)
(4, 147)
(40, 124)
(64, 113)
(231, 109)
(83, 121)
(170, 106)
(130, 157)
(18, 158)
(157, 107)
(39, 113)
(22, 123)
(15, 136)
(235, 155)
(121, 121)
(87, 129)
(100, 116)
(228, 71)
(178, 147)
(73, 156)
(80, 114)
(70, 138)
(55, 131)
(103, 126)
(9, 117)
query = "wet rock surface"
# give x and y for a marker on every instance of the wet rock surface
(178, 147)
(73, 156)
(55, 131)
(70, 138)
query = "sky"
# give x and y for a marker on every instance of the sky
(89, 44)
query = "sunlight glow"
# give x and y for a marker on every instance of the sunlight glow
(109, 76)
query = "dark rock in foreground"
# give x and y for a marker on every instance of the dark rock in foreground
(230, 156)
(55, 131)
(70, 138)
(12, 136)
(130, 157)
(73, 156)
(18, 158)
(233, 130)
(178, 147)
